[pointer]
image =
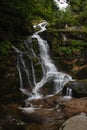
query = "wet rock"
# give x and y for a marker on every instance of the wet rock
(74, 106)
(43, 118)
(78, 122)
(31, 115)
(82, 74)
(48, 88)
(79, 88)
(46, 102)
(49, 113)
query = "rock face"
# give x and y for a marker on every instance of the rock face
(79, 88)
(78, 122)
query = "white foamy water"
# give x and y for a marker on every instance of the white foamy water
(50, 71)
(68, 93)
(61, 4)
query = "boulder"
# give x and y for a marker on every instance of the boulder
(78, 122)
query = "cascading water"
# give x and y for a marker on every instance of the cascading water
(61, 4)
(68, 93)
(50, 72)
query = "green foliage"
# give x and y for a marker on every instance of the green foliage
(5, 48)
(79, 8)
(78, 5)
(65, 18)
(5, 56)
(78, 43)
(43, 9)
(5, 52)
(66, 50)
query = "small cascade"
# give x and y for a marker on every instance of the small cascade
(68, 93)
(61, 4)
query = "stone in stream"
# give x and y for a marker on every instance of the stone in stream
(78, 122)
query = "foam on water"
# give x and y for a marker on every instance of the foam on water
(61, 4)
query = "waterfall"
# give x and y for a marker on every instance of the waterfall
(68, 93)
(49, 70)
(61, 4)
